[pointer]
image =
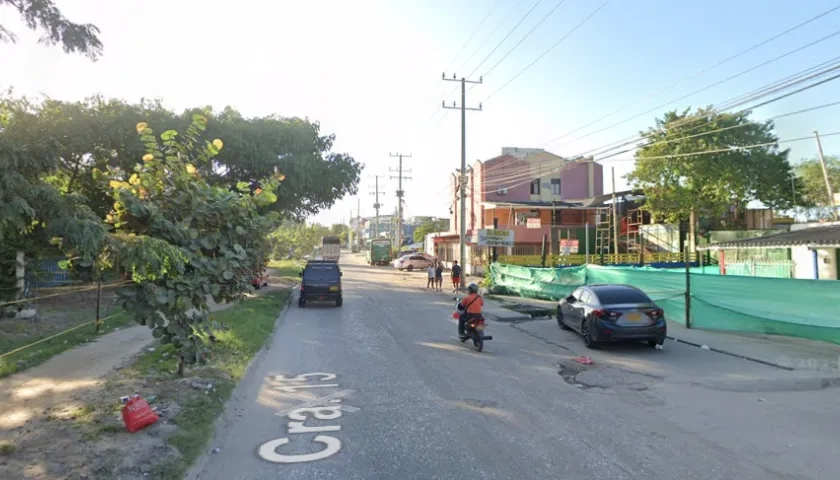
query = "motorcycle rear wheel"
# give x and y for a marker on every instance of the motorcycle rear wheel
(478, 343)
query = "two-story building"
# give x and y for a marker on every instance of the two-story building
(530, 191)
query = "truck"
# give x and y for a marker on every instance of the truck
(379, 252)
(331, 248)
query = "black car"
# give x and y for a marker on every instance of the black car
(320, 282)
(612, 313)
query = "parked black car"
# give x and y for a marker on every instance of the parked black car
(612, 313)
(320, 282)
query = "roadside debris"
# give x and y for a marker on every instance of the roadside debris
(136, 413)
(584, 360)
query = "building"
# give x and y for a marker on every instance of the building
(813, 250)
(530, 191)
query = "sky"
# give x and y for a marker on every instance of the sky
(370, 72)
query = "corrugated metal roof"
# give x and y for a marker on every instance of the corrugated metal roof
(828, 237)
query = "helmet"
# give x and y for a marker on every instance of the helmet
(472, 288)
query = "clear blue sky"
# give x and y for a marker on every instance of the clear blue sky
(370, 71)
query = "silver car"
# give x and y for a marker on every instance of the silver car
(612, 313)
(415, 261)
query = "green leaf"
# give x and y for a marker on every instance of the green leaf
(227, 275)
(240, 230)
(168, 135)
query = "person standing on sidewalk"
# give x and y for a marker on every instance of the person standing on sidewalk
(439, 276)
(456, 276)
(431, 272)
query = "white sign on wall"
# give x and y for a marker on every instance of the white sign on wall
(488, 237)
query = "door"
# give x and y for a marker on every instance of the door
(570, 311)
(579, 308)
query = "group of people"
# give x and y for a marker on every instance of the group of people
(435, 272)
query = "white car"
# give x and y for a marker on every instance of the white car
(415, 261)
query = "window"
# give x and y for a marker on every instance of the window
(617, 295)
(586, 297)
(557, 218)
(535, 186)
(555, 186)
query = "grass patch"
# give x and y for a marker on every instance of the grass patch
(7, 448)
(38, 354)
(286, 268)
(248, 327)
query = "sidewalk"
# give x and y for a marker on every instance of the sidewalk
(795, 354)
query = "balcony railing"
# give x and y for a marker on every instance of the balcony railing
(595, 259)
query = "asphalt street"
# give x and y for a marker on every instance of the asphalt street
(418, 404)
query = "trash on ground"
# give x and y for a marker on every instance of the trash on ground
(584, 360)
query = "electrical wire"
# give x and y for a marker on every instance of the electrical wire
(787, 82)
(731, 77)
(510, 32)
(472, 35)
(564, 37)
(701, 72)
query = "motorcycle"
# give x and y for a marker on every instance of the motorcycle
(473, 330)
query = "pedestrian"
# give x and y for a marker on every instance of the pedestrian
(439, 276)
(431, 272)
(456, 275)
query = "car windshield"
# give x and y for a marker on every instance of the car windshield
(615, 295)
(320, 274)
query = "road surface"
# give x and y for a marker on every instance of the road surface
(417, 404)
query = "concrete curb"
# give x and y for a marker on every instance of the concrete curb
(732, 354)
(218, 425)
(772, 385)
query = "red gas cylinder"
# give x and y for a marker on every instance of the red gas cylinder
(137, 414)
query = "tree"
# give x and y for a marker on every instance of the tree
(813, 194)
(676, 182)
(182, 238)
(44, 15)
(296, 238)
(427, 227)
(341, 231)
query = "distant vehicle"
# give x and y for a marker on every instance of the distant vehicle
(379, 252)
(612, 313)
(331, 248)
(320, 282)
(260, 279)
(412, 262)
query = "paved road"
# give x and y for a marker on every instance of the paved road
(423, 406)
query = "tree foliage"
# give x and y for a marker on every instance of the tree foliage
(813, 197)
(296, 238)
(427, 227)
(182, 238)
(676, 181)
(43, 15)
(341, 231)
(97, 133)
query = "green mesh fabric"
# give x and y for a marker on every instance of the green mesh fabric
(799, 308)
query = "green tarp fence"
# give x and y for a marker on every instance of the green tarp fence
(798, 308)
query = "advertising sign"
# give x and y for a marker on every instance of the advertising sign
(569, 246)
(488, 237)
(533, 223)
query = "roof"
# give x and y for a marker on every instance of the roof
(816, 237)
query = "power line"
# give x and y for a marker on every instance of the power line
(549, 49)
(510, 32)
(530, 32)
(786, 82)
(732, 77)
(707, 69)
(400, 194)
(461, 68)
(477, 28)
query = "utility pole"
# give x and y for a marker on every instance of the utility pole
(350, 231)
(615, 216)
(400, 193)
(376, 206)
(834, 212)
(358, 220)
(463, 170)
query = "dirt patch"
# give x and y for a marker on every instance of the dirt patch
(58, 423)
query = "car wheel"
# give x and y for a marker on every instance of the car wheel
(410, 268)
(339, 302)
(301, 303)
(560, 322)
(586, 333)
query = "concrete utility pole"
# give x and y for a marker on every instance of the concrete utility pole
(833, 205)
(358, 220)
(463, 170)
(350, 231)
(376, 206)
(615, 215)
(400, 193)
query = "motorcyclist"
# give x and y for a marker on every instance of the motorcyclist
(469, 306)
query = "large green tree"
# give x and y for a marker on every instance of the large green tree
(43, 15)
(427, 227)
(97, 133)
(296, 238)
(814, 200)
(678, 177)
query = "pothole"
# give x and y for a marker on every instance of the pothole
(570, 373)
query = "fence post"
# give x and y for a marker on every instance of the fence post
(544, 250)
(98, 322)
(687, 287)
